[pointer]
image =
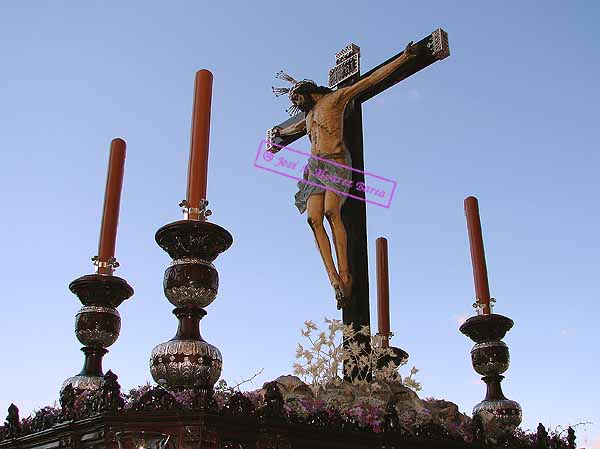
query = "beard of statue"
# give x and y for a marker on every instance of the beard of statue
(306, 103)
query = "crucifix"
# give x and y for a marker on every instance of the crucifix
(332, 118)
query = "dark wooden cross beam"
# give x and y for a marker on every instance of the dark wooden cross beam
(347, 71)
(428, 50)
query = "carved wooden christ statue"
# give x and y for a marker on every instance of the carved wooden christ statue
(323, 196)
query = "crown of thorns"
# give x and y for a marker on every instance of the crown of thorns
(279, 91)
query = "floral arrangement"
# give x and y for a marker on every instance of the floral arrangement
(323, 361)
(360, 415)
(364, 414)
(320, 365)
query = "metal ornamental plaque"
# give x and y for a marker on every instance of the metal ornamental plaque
(438, 44)
(347, 65)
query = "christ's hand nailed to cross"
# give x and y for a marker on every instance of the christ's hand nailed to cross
(275, 132)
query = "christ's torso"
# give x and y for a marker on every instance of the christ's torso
(324, 125)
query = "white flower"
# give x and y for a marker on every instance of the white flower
(327, 357)
(310, 325)
(298, 369)
(377, 341)
(354, 348)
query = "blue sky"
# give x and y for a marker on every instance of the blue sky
(511, 117)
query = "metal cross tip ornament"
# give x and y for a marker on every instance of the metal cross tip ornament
(112, 263)
(385, 337)
(479, 307)
(202, 211)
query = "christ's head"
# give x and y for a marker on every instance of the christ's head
(305, 94)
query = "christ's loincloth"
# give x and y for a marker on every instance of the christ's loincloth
(324, 175)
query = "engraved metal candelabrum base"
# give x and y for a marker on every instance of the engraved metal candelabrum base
(97, 324)
(186, 360)
(91, 376)
(490, 358)
(507, 413)
(191, 282)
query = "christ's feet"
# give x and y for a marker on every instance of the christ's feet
(340, 288)
(337, 284)
(342, 301)
(346, 278)
(339, 296)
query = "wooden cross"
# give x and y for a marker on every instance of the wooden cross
(347, 72)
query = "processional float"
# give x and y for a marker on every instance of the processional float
(191, 281)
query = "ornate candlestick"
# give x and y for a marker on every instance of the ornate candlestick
(198, 164)
(191, 281)
(97, 324)
(383, 305)
(490, 356)
(383, 292)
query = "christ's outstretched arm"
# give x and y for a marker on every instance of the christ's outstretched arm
(295, 128)
(347, 93)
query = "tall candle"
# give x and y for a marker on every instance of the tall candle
(480, 277)
(198, 164)
(112, 201)
(383, 291)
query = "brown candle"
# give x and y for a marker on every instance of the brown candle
(198, 165)
(383, 291)
(480, 277)
(112, 200)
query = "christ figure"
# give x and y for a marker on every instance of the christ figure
(324, 194)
